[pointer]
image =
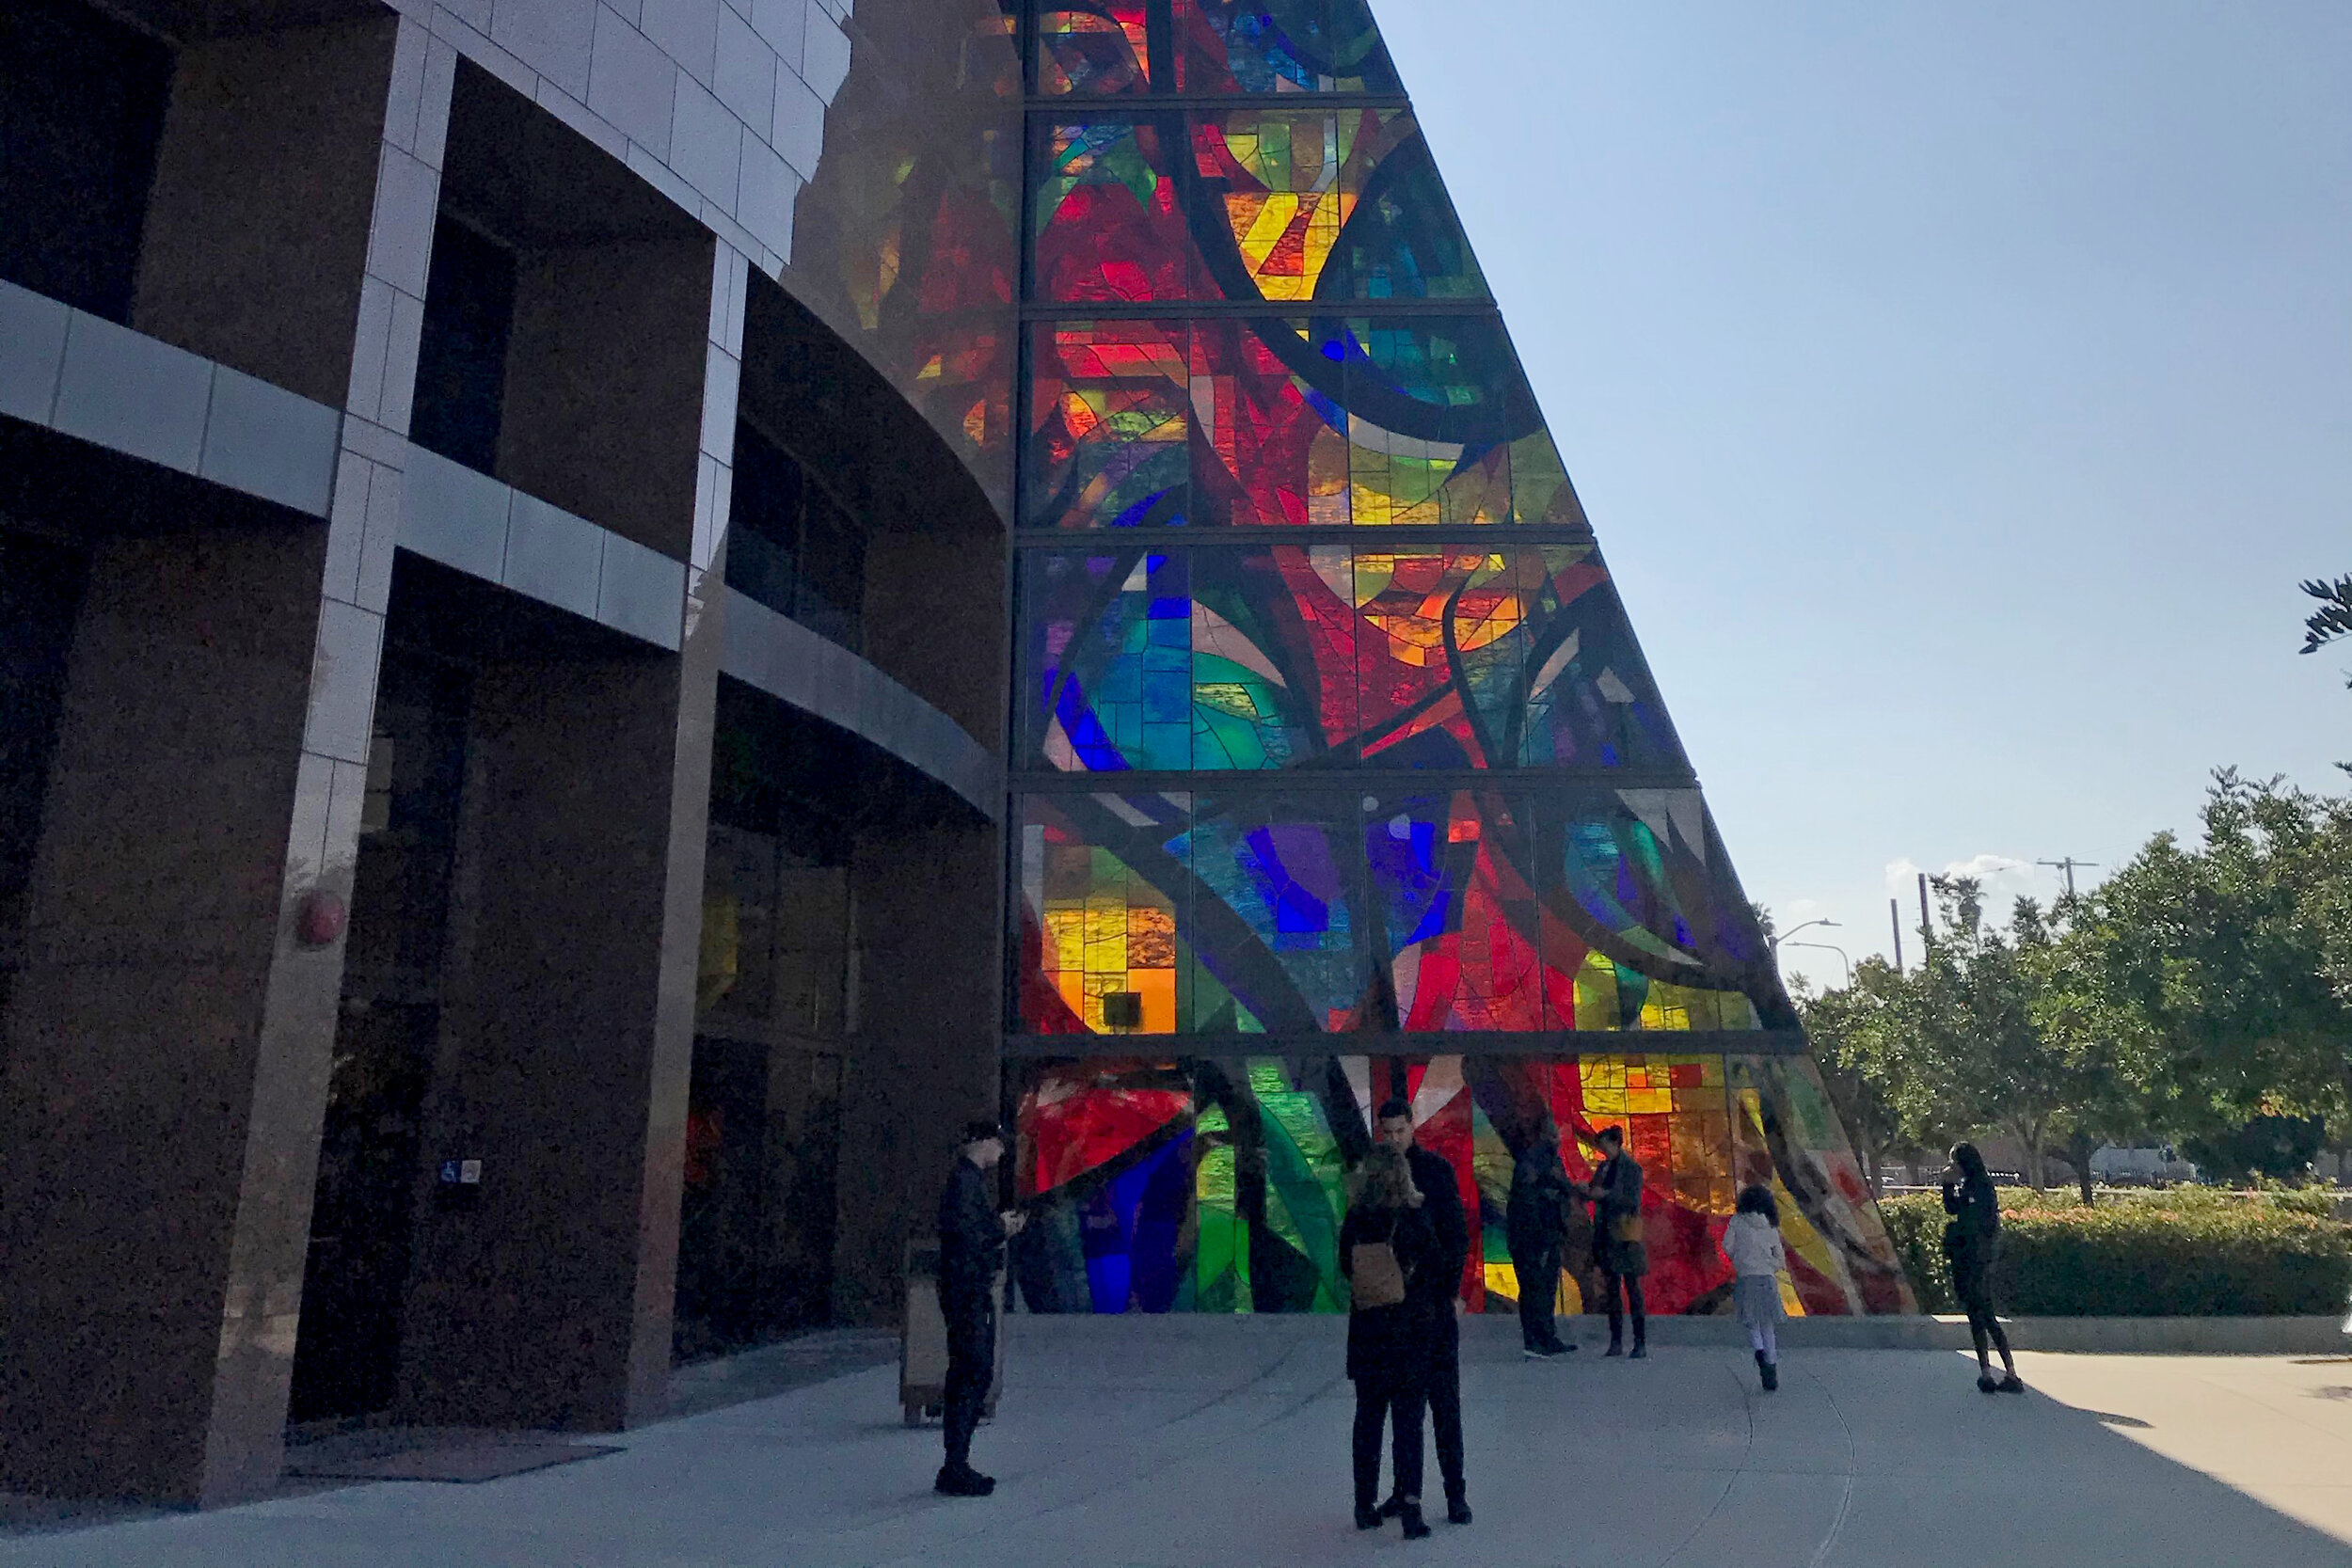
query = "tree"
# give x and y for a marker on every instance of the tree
(2222, 974)
(2333, 618)
(1974, 1039)
(1863, 1077)
(1996, 1063)
(2102, 1102)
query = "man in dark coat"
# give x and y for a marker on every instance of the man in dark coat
(1617, 1244)
(1536, 1223)
(972, 1237)
(1439, 1292)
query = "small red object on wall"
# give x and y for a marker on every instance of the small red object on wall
(321, 920)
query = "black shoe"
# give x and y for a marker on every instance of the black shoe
(1615, 1349)
(1641, 1351)
(962, 1482)
(1367, 1518)
(1772, 1378)
(1416, 1527)
(1985, 1384)
(1563, 1347)
(1457, 1510)
(1394, 1506)
(2012, 1383)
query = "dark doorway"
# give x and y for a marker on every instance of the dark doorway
(756, 1233)
(347, 1357)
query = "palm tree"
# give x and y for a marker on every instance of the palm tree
(2333, 618)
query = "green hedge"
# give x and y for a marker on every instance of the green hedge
(2172, 1255)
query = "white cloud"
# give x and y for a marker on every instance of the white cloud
(1986, 868)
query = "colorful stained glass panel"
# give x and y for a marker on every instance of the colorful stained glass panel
(1109, 423)
(1094, 50)
(1272, 46)
(1198, 1185)
(1311, 911)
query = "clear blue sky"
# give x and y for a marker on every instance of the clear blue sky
(1959, 392)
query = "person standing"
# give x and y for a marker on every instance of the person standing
(1752, 1242)
(1386, 1243)
(1617, 1245)
(1536, 1223)
(1437, 1291)
(971, 1236)
(1971, 1239)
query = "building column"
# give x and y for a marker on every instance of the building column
(170, 1031)
(924, 1058)
(541, 1295)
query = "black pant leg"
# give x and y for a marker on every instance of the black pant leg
(1640, 1309)
(1405, 1409)
(1538, 1274)
(971, 1368)
(1609, 1283)
(1444, 1397)
(1371, 1408)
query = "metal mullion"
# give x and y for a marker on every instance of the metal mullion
(1338, 781)
(1535, 1043)
(1366, 538)
(1176, 310)
(1141, 105)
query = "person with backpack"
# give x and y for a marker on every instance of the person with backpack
(1971, 1242)
(1751, 1242)
(1387, 1246)
(1535, 1223)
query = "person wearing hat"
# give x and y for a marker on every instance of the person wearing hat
(971, 1236)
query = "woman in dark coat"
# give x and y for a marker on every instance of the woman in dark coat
(1615, 1191)
(1971, 1241)
(1386, 1243)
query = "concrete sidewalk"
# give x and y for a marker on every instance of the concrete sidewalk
(1208, 1442)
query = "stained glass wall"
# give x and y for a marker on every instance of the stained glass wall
(1181, 1185)
(1327, 717)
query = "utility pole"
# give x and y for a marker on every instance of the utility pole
(1927, 924)
(1894, 918)
(2069, 865)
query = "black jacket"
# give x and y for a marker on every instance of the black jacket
(1537, 1215)
(1394, 1345)
(1441, 1205)
(1617, 1193)
(971, 1237)
(1971, 1235)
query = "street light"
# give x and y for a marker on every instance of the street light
(1774, 942)
(1831, 947)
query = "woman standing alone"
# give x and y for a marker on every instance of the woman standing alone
(1971, 1239)
(1385, 1244)
(1752, 1242)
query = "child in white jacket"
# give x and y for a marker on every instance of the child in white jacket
(1752, 1242)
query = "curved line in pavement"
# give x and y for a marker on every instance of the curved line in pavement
(1854, 1463)
(1747, 1407)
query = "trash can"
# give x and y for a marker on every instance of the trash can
(923, 1348)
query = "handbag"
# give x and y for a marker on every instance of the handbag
(1626, 1229)
(1374, 1278)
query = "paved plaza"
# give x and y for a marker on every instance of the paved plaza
(1213, 1442)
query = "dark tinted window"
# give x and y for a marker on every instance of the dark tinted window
(461, 364)
(791, 545)
(81, 110)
